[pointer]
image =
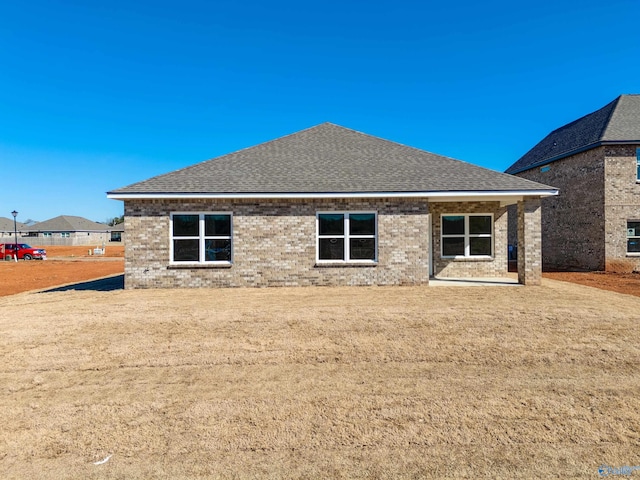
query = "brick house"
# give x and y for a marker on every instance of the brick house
(326, 206)
(594, 224)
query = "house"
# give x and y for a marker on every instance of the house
(8, 230)
(594, 224)
(326, 206)
(68, 230)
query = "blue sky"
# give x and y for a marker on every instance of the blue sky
(98, 95)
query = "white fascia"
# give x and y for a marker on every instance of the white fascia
(457, 196)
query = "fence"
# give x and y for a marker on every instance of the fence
(81, 239)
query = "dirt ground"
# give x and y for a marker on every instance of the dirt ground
(628, 283)
(63, 265)
(352, 383)
(74, 264)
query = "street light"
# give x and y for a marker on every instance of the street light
(15, 233)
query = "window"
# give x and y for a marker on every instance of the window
(201, 238)
(65, 234)
(638, 164)
(46, 234)
(467, 235)
(633, 237)
(347, 237)
(546, 168)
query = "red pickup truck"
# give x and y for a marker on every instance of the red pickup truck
(25, 252)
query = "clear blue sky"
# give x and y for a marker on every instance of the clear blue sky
(98, 95)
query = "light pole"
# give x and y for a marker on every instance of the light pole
(15, 233)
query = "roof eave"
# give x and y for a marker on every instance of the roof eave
(451, 195)
(575, 151)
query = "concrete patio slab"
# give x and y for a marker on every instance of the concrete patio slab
(474, 282)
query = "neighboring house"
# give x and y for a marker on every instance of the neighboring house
(7, 231)
(326, 206)
(68, 230)
(594, 224)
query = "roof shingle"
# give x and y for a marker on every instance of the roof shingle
(618, 121)
(329, 159)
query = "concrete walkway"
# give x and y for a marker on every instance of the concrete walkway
(474, 282)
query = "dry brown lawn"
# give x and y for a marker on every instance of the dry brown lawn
(353, 383)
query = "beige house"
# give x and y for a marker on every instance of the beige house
(327, 206)
(68, 230)
(8, 229)
(594, 224)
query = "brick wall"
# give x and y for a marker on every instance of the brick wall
(622, 203)
(584, 227)
(469, 267)
(274, 244)
(573, 231)
(529, 241)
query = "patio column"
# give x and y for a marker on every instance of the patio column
(529, 241)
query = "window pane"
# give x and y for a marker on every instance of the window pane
(185, 250)
(480, 246)
(633, 229)
(362, 249)
(633, 245)
(481, 224)
(362, 224)
(217, 250)
(217, 225)
(185, 225)
(331, 249)
(331, 224)
(452, 246)
(453, 225)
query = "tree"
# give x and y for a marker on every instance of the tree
(115, 220)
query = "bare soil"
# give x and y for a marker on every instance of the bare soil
(63, 265)
(628, 283)
(357, 383)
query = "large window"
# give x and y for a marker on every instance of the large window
(633, 237)
(467, 235)
(201, 238)
(347, 237)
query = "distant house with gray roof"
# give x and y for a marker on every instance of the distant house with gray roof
(594, 224)
(7, 230)
(68, 230)
(326, 206)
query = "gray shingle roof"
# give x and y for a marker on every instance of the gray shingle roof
(617, 122)
(329, 159)
(6, 225)
(68, 223)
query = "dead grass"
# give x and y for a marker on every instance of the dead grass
(447, 382)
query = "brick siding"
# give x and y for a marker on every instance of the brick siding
(274, 244)
(584, 227)
(469, 267)
(573, 221)
(529, 242)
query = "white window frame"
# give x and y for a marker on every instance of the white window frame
(201, 239)
(467, 236)
(65, 234)
(347, 237)
(636, 236)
